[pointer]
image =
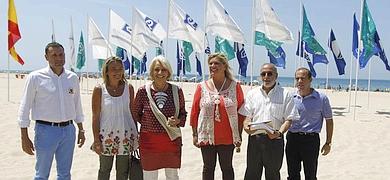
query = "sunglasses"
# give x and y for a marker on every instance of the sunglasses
(266, 73)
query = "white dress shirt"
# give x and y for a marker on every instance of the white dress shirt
(273, 108)
(51, 98)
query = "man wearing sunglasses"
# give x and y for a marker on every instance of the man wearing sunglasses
(269, 110)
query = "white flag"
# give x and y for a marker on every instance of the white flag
(100, 47)
(120, 32)
(268, 23)
(146, 33)
(72, 56)
(183, 27)
(220, 23)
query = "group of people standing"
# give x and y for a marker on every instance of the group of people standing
(219, 113)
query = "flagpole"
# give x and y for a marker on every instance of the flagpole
(357, 62)
(131, 49)
(53, 36)
(166, 44)
(252, 40)
(8, 82)
(88, 52)
(204, 41)
(300, 46)
(350, 82)
(369, 85)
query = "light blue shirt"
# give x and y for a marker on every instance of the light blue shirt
(313, 109)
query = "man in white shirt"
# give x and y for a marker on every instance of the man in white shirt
(269, 110)
(52, 94)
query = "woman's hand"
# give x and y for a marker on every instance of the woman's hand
(173, 121)
(97, 147)
(195, 141)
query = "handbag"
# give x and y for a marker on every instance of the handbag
(135, 167)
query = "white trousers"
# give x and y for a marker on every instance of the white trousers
(170, 174)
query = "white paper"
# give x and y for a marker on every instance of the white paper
(261, 126)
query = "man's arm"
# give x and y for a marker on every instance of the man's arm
(281, 131)
(329, 134)
(27, 145)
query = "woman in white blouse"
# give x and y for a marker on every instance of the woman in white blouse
(114, 130)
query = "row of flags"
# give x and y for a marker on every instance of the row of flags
(133, 41)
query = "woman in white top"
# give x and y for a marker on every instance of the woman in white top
(114, 130)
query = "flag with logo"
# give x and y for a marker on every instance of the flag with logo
(120, 33)
(81, 53)
(220, 23)
(280, 60)
(13, 32)
(223, 46)
(147, 33)
(242, 58)
(187, 50)
(183, 27)
(338, 57)
(312, 46)
(381, 52)
(268, 23)
(99, 45)
(122, 53)
(367, 36)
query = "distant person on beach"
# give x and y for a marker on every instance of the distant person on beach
(114, 131)
(271, 106)
(52, 94)
(160, 109)
(216, 124)
(303, 141)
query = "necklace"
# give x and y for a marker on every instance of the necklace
(217, 101)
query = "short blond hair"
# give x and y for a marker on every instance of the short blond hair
(105, 66)
(222, 59)
(164, 63)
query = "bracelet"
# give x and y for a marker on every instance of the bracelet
(328, 143)
(82, 130)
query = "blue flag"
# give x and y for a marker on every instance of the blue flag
(279, 61)
(312, 70)
(338, 57)
(381, 52)
(122, 53)
(355, 36)
(242, 58)
(198, 65)
(143, 64)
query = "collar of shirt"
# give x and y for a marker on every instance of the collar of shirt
(313, 94)
(271, 92)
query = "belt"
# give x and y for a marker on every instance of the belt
(61, 124)
(304, 133)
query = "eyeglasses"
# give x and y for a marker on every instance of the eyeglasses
(266, 73)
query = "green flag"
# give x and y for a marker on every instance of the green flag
(187, 48)
(136, 65)
(222, 45)
(100, 64)
(367, 36)
(271, 45)
(81, 53)
(308, 35)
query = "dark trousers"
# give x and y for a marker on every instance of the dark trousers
(225, 157)
(121, 166)
(302, 148)
(264, 152)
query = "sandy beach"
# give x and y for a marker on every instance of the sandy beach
(360, 149)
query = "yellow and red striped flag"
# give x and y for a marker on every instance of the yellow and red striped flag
(13, 32)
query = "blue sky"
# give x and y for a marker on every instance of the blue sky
(35, 18)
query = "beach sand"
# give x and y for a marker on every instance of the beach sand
(360, 149)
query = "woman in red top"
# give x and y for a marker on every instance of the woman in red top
(216, 125)
(159, 108)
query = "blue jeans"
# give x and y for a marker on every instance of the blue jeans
(53, 141)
